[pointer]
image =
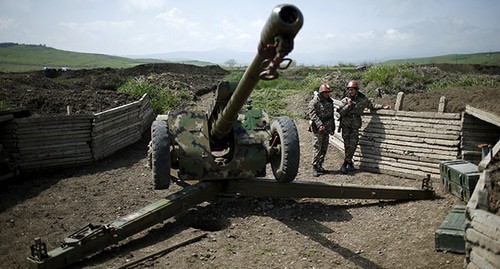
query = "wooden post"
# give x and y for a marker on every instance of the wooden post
(442, 104)
(68, 110)
(399, 101)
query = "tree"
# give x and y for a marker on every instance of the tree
(230, 62)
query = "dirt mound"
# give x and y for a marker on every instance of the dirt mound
(419, 98)
(469, 68)
(457, 98)
(49, 92)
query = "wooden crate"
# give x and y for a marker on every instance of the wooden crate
(450, 234)
(459, 177)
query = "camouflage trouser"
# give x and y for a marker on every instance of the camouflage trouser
(320, 143)
(351, 137)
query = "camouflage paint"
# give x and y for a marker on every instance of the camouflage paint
(245, 156)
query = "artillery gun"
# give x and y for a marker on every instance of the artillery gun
(230, 143)
(225, 150)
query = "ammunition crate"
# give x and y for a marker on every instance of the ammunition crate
(450, 234)
(459, 177)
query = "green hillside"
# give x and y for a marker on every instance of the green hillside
(487, 58)
(18, 57)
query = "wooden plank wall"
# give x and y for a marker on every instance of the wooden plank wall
(6, 170)
(119, 127)
(49, 142)
(45, 143)
(115, 129)
(406, 143)
(146, 114)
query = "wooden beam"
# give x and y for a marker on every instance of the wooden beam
(483, 115)
(399, 101)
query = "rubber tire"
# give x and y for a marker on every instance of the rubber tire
(285, 164)
(160, 154)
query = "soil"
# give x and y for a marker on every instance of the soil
(49, 92)
(457, 98)
(241, 232)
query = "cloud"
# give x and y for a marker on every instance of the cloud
(405, 9)
(259, 23)
(233, 31)
(110, 36)
(227, 26)
(244, 36)
(445, 35)
(429, 37)
(195, 34)
(8, 23)
(393, 35)
(99, 26)
(331, 36)
(174, 18)
(132, 5)
(23, 6)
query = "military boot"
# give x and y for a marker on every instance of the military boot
(350, 166)
(316, 172)
(322, 170)
(344, 169)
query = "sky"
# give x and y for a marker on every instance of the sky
(334, 31)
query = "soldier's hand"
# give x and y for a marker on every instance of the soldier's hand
(387, 107)
(322, 128)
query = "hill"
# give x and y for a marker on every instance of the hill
(24, 57)
(487, 58)
(20, 57)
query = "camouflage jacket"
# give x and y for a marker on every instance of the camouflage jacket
(320, 111)
(351, 114)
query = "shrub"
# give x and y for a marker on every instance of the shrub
(162, 98)
(5, 105)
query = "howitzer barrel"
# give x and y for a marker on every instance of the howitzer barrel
(275, 43)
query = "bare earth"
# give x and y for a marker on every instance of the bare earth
(242, 232)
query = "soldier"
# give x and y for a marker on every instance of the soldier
(350, 110)
(320, 112)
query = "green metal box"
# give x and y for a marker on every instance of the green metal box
(450, 234)
(459, 177)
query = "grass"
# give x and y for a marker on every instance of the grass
(408, 78)
(465, 80)
(162, 99)
(19, 58)
(264, 251)
(5, 105)
(233, 248)
(487, 58)
(271, 95)
(393, 78)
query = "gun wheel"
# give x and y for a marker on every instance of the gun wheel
(160, 154)
(285, 150)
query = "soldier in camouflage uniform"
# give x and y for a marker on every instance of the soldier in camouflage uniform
(350, 110)
(320, 112)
